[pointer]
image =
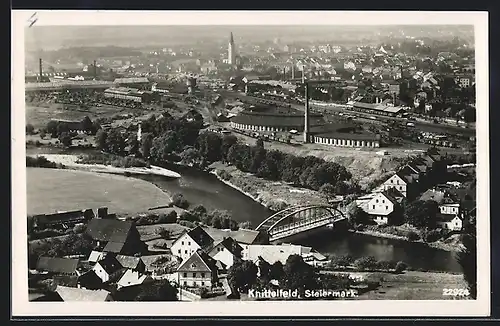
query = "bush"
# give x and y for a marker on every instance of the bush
(413, 236)
(203, 293)
(432, 235)
(386, 265)
(366, 263)
(224, 175)
(187, 216)
(179, 201)
(171, 217)
(341, 261)
(186, 223)
(79, 228)
(164, 233)
(400, 267)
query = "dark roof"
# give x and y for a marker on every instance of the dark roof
(201, 237)
(90, 280)
(61, 217)
(110, 264)
(446, 217)
(231, 245)
(109, 230)
(129, 261)
(114, 247)
(57, 265)
(198, 262)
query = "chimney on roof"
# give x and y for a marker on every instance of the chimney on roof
(40, 67)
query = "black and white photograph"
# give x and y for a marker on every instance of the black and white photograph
(236, 159)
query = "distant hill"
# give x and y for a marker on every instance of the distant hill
(54, 37)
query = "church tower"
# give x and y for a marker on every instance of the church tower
(231, 51)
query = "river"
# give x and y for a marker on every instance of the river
(203, 188)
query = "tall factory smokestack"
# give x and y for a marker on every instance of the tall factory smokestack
(95, 70)
(293, 70)
(40, 67)
(306, 113)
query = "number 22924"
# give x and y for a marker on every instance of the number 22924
(456, 292)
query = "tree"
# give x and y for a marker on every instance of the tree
(101, 140)
(200, 212)
(157, 291)
(467, 258)
(366, 263)
(52, 128)
(30, 130)
(115, 142)
(400, 267)
(276, 271)
(190, 156)
(357, 215)
(163, 233)
(298, 274)
(245, 225)
(328, 191)
(133, 144)
(146, 144)
(422, 213)
(65, 139)
(42, 134)
(264, 270)
(179, 201)
(242, 275)
(171, 217)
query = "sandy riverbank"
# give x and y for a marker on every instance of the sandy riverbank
(70, 161)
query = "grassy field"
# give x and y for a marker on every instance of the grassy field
(413, 286)
(150, 232)
(39, 116)
(49, 190)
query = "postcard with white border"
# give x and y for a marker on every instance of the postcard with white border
(264, 163)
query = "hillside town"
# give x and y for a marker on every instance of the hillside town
(336, 142)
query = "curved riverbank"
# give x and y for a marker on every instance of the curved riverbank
(70, 162)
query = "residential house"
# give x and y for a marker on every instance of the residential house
(191, 241)
(55, 265)
(132, 278)
(244, 237)
(450, 222)
(95, 256)
(226, 251)
(132, 263)
(382, 207)
(76, 294)
(107, 267)
(119, 237)
(199, 270)
(400, 182)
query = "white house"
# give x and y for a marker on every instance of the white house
(450, 222)
(188, 243)
(274, 253)
(379, 206)
(199, 270)
(450, 208)
(397, 182)
(131, 278)
(244, 237)
(226, 251)
(106, 267)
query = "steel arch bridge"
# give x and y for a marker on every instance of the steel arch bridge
(297, 219)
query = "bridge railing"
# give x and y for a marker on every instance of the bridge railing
(300, 223)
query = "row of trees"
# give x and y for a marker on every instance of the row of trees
(294, 274)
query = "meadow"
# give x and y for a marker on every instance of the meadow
(50, 190)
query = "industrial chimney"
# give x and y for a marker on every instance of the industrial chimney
(40, 68)
(293, 71)
(306, 113)
(95, 70)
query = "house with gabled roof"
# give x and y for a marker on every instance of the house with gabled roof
(132, 263)
(382, 207)
(115, 236)
(106, 267)
(199, 270)
(191, 241)
(226, 251)
(132, 278)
